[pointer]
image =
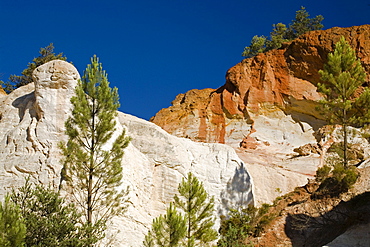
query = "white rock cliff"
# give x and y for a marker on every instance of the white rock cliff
(32, 124)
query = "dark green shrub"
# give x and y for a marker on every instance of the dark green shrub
(244, 223)
(49, 220)
(336, 180)
(322, 173)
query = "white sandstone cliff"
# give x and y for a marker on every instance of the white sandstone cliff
(32, 124)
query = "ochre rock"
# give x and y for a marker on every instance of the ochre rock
(275, 89)
(2, 92)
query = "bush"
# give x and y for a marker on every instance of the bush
(322, 173)
(241, 224)
(12, 227)
(336, 180)
(48, 219)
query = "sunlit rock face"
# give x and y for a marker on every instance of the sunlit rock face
(270, 98)
(155, 163)
(32, 124)
(267, 109)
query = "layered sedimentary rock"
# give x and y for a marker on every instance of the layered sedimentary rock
(32, 124)
(268, 99)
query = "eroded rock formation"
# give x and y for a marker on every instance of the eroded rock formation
(32, 124)
(270, 97)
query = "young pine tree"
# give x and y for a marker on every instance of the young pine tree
(92, 159)
(343, 75)
(12, 227)
(167, 230)
(302, 24)
(48, 219)
(258, 45)
(198, 211)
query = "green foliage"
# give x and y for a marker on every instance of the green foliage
(149, 240)
(48, 219)
(91, 170)
(168, 230)
(244, 223)
(193, 221)
(354, 151)
(335, 180)
(322, 173)
(345, 177)
(258, 45)
(277, 36)
(12, 227)
(15, 81)
(343, 74)
(302, 24)
(281, 33)
(198, 210)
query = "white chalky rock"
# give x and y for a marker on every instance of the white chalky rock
(32, 124)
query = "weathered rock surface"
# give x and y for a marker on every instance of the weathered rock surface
(302, 221)
(267, 108)
(32, 125)
(270, 97)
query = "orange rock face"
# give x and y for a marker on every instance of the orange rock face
(279, 80)
(2, 92)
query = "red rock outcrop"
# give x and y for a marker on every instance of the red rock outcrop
(277, 84)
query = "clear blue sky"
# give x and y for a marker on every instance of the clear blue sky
(153, 50)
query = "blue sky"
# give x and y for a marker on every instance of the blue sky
(153, 50)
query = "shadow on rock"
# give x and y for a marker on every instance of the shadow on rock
(319, 226)
(238, 192)
(23, 103)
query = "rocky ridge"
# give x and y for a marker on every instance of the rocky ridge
(267, 100)
(266, 110)
(32, 124)
(279, 84)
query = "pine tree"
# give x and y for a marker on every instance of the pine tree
(343, 75)
(49, 220)
(167, 230)
(198, 210)
(92, 165)
(258, 45)
(46, 54)
(302, 24)
(280, 33)
(277, 36)
(12, 227)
